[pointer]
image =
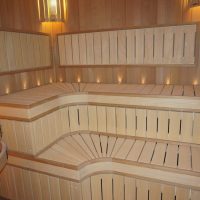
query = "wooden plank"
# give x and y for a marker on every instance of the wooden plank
(152, 124)
(54, 188)
(83, 117)
(139, 33)
(174, 126)
(121, 121)
(81, 142)
(96, 187)
(75, 191)
(197, 90)
(142, 189)
(168, 45)
(168, 192)
(3, 56)
(65, 189)
(189, 46)
(90, 48)
(104, 143)
(86, 189)
(136, 150)
(87, 139)
(68, 50)
(154, 191)
(178, 90)
(149, 45)
(195, 151)
(159, 154)
(97, 48)
(82, 49)
(107, 186)
(158, 45)
(188, 90)
(119, 142)
(111, 119)
(113, 47)
(187, 127)
(184, 157)
(130, 121)
(125, 149)
(195, 195)
(131, 46)
(163, 124)
(171, 155)
(167, 90)
(196, 128)
(92, 115)
(111, 144)
(157, 90)
(45, 186)
(74, 122)
(101, 118)
(178, 44)
(118, 187)
(141, 122)
(121, 35)
(75, 49)
(130, 188)
(35, 182)
(96, 141)
(182, 193)
(105, 48)
(147, 152)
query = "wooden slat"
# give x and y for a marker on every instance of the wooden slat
(184, 157)
(147, 152)
(159, 154)
(130, 121)
(96, 141)
(182, 193)
(151, 123)
(141, 122)
(107, 187)
(111, 119)
(111, 144)
(90, 48)
(139, 33)
(130, 188)
(101, 118)
(171, 155)
(86, 189)
(113, 47)
(131, 46)
(178, 90)
(125, 149)
(167, 90)
(118, 187)
(119, 142)
(104, 143)
(82, 49)
(121, 38)
(149, 45)
(75, 49)
(68, 50)
(142, 189)
(105, 48)
(136, 150)
(195, 151)
(97, 48)
(121, 121)
(96, 187)
(188, 90)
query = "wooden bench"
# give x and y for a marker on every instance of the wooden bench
(76, 131)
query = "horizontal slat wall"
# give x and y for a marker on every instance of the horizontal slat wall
(31, 137)
(160, 45)
(34, 185)
(22, 51)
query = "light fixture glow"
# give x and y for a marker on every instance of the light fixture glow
(119, 79)
(78, 79)
(98, 80)
(52, 10)
(143, 80)
(38, 82)
(167, 81)
(195, 82)
(7, 90)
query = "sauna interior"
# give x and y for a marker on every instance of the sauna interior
(100, 99)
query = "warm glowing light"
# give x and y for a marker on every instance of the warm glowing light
(119, 79)
(78, 79)
(61, 79)
(7, 90)
(52, 10)
(98, 80)
(168, 81)
(143, 80)
(38, 83)
(195, 82)
(25, 85)
(50, 80)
